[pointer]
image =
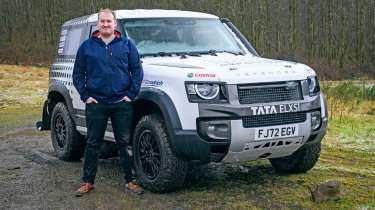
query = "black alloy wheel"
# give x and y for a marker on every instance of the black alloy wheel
(157, 167)
(60, 130)
(149, 154)
(68, 144)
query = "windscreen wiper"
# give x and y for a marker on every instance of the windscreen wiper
(192, 53)
(211, 52)
(215, 52)
(185, 54)
(233, 52)
(158, 54)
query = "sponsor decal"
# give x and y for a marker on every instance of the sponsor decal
(274, 109)
(153, 83)
(201, 75)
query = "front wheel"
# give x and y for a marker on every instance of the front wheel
(157, 167)
(66, 141)
(300, 161)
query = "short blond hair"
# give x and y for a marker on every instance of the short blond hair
(107, 10)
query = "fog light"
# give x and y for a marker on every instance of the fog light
(316, 119)
(214, 130)
(218, 131)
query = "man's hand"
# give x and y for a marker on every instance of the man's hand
(127, 99)
(91, 100)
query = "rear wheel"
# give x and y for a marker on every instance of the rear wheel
(67, 142)
(300, 161)
(157, 167)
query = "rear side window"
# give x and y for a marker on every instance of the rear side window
(73, 40)
(70, 40)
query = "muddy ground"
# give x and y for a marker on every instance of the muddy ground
(31, 177)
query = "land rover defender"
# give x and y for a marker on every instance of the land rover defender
(206, 96)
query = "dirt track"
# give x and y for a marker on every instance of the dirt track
(32, 178)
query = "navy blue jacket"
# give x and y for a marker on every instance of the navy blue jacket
(107, 72)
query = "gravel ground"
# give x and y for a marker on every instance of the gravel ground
(31, 177)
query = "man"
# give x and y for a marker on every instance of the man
(107, 74)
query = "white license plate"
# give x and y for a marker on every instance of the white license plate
(275, 132)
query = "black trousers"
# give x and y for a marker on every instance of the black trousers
(97, 116)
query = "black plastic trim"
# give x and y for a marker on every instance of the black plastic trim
(318, 135)
(243, 39)
(61, 89)
(230, 111)
(193, 148)
(165, 105)
(46, 118)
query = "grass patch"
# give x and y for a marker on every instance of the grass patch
(16, 117)
(22, 86)
(355, 132)
(348, 148)
(23, 90)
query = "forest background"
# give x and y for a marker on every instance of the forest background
(335, 37)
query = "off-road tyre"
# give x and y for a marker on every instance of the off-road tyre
(300, 161)
(69, 145)
(171, 172)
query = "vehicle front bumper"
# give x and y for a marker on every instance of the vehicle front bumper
(243, 145)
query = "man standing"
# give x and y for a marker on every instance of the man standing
(107, 74)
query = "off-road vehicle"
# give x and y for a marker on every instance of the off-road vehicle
(206, 96)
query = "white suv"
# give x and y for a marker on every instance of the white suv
(207, 96)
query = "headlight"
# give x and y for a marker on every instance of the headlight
(313, 84)
(206, 92)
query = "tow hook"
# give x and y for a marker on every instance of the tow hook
(39, 125)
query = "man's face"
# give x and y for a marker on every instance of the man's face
(106, 24)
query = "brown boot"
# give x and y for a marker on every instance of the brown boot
(85, 188)
(134, 188)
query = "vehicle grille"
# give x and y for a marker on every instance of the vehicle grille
(273, 119)
(265, 93)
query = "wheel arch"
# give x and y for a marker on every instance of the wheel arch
(59, 93)
(152, 100)
(56, 93)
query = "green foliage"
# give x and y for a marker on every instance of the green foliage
(350, 90)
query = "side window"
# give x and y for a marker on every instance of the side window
(73, 40)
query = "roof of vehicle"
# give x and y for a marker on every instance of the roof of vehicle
(141, 13)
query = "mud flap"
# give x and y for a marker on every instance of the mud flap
(45, 124)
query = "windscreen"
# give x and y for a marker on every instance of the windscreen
(179, 35)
